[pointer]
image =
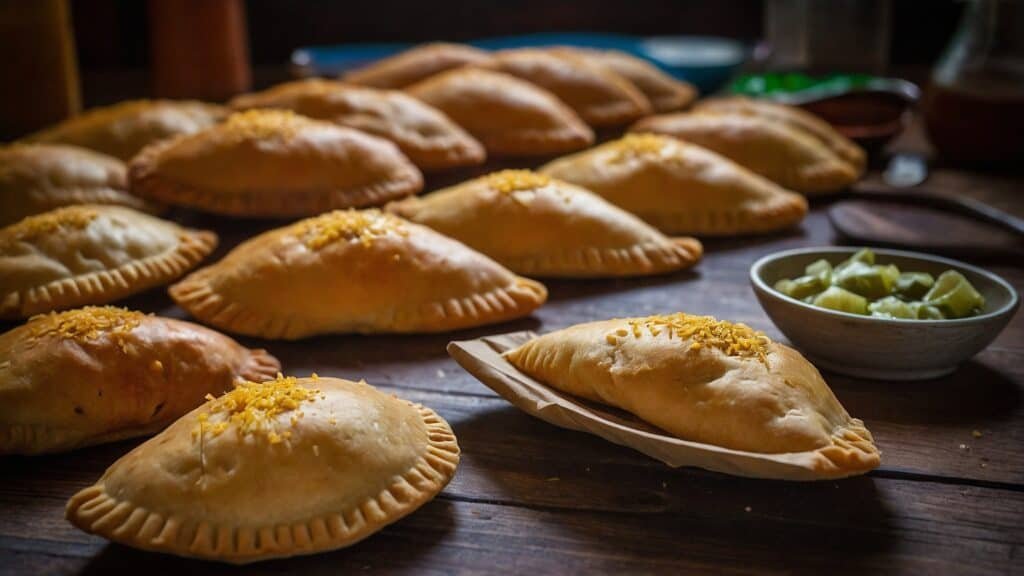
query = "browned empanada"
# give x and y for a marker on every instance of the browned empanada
(122, 130)
(91, 254)
(36, 178)
(511, 117)
(664, 92)
(539, 226)
(354, 271)
(417, 63)
(273, 163)
(100, 374)
(428, 137)
(597, 93)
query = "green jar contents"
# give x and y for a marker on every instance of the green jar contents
(860, 286)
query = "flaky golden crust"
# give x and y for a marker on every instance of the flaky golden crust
(274, 163)
(787, 156)
(795, 117)
(541, 227)
(416, 64)
(354, 461)
(598, 94)
(743, 393)
(424, 134)
(123, 129)
(665, 93)
(681, 188)
(36, 178)
(354, 272)
(91, 254)
(511, 117)
(62, 388)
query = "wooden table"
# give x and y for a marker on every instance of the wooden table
(532, 498)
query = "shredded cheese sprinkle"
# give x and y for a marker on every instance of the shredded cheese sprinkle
(87, 323)
(509, 181)
(252, 409)
(260, 124)
(634, 145)
(350, 225)
(734, 339)
(32, 227)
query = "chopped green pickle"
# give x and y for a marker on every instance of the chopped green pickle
(913, 285)
(860, 286)
(835, 298)
(955, 296)
(927, 311)
(820, 269)
(892, 307)
(802, 287)
(868, 280)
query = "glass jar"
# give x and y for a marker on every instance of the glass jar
(974, 111)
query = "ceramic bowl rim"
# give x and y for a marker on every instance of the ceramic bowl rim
(1012, 302)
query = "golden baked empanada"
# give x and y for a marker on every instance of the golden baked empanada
(793, 116)
(423, 133)
(511, 117)
(417, 63)
(354, 271)
(539, 226)
(785, 155)
(95, 375)
(36, 178)
(273, 163)
(681, 188)
(706, 381)
(664, 92)
(598, 94)
(123, 129)
(91, 254)
(281, 468)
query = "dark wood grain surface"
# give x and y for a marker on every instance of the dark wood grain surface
(532, 498)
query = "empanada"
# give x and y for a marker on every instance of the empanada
(511, 117)
(91, 254)
(664, 92)
(36, 178)
(706, 381)
(597, 93)
(354, 271)
(423, 133)
(122, 130)
(538, 226)
(417, 63)
(275, 469)
(795, 117)
(95, 375)
(273, 163)
(681, 188)
(785, 155)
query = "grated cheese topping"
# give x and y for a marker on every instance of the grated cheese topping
(349, 225)
(733, 339)
(262, 124)
(87, 323)
(509, 181)
(32, 227)
(635, 145)
(253, 408)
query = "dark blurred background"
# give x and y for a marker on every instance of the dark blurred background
(113, 48)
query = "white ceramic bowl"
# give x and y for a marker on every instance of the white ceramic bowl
(880, 348)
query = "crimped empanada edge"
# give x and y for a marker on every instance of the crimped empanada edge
(104, 286)
(145, 182)
(96, 512)
(199, 299)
